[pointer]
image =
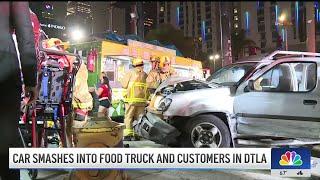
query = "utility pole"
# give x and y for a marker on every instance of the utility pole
(311, 35)
(134, 17)
(221, 44)
(285, 23)
(110, 16)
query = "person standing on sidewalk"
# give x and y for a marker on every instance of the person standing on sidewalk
(136, 97)
(104, 93)
(14, 16)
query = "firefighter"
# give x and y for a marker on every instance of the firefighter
(57, 44)
(156, 77)
(154, 63)
(154, 70)
(136, 97)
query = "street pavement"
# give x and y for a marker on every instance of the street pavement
(183, 175)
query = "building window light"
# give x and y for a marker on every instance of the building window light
(161, 9)
(236, 18)
(235, 25)
(235, 11)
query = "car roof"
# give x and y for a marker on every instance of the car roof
(174, 79)
(298, 59)
(246, 62)
(253, 57)
(263, 59)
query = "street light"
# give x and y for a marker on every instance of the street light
(214, 58)
(284, 22)
(77, 34)
(282, 18)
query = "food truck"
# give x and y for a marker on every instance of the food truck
(114, 59)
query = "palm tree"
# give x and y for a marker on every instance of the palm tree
(239, 42)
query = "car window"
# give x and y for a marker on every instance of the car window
(258, 70)
(299, 74)
(109, 69)
(311, 74)
(288, 77)
(230, 74)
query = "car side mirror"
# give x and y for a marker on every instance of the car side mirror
(249, 87)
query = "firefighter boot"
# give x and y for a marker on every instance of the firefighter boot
(128, 134)
(136, 137)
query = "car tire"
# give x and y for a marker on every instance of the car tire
(206, 120)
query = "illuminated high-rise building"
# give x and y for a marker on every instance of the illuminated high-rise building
(51, 16)
(259, 20)
(80, 15)
(199, 20)
(150, 17)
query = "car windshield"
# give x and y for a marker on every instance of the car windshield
(230, 75)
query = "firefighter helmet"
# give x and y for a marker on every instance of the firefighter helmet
(164, 60)
(154, 59)
(57, 42)
(137, 61)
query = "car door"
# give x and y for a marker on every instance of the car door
(283, 101)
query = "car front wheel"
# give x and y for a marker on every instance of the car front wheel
(205, 131)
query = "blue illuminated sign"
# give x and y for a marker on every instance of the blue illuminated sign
(276, 9)
(203, 28)
(297, 13)
(178, 13)
(247, 20)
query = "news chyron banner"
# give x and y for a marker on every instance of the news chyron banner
(277, 159)
(139, 158)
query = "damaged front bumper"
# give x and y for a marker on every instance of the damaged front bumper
(150, 126)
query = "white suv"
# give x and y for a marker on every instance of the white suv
(272, 102)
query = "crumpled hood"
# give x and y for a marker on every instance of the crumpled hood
(189, 103)
(173, 80)
(177, 79)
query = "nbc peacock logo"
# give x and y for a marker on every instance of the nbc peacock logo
(290, 159)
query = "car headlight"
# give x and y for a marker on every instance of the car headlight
(164, 104)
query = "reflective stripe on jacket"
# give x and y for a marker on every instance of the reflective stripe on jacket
(135, 83)
(81, 105)
(138, 93)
